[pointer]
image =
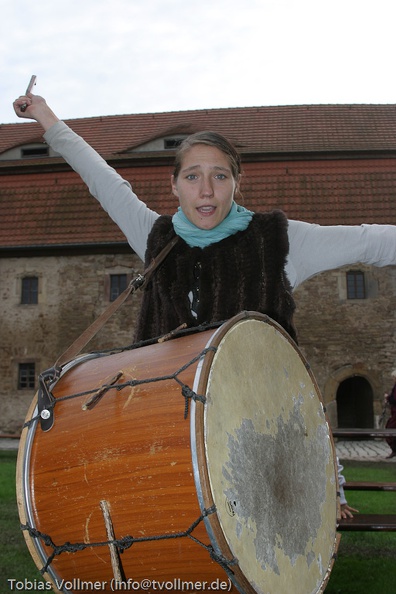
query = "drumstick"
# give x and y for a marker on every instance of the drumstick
(172, 333)
(114, 555)
(30, 86)
(94, 399)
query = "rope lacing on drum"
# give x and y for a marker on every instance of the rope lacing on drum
(187, 392)
(190, 395)
(126, 542)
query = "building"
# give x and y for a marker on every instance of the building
(62, 259)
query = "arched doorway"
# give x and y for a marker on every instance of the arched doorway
(355, 403)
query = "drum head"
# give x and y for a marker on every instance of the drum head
(264, 457)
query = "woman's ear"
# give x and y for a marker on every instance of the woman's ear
(174, 186)
(238, 185)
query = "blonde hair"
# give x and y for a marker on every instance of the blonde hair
(393, 373)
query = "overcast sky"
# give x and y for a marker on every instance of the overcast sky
(106, 57)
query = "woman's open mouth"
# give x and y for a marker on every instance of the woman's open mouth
(206, 210)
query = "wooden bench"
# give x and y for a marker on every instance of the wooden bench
(369, 523)
(363, 433)
(9, 436)
(359, 433)
(367, 486)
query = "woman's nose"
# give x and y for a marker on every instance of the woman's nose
(206, 187)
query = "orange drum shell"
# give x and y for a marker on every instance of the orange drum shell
(133, 451)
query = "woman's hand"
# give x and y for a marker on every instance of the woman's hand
(34, 107)
(22, 105)
(347, 511)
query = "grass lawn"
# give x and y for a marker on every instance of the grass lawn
(15, 560)
(366, 562)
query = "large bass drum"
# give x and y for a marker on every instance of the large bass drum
(201, 463)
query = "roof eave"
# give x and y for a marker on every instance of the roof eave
(34, 250)
(150, 159)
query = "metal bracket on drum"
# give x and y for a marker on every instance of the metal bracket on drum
(45, 400)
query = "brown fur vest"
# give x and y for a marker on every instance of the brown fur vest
(242, 272)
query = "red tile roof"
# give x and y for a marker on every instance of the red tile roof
(40, 206)
(284, 129)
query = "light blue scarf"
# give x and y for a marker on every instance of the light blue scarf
(237, 220)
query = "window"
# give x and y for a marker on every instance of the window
(118, 284)
(26, 376)
(356, 288)
(172, 143)
(40, 151)
(29, 290)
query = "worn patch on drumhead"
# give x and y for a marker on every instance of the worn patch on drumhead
(276, 495)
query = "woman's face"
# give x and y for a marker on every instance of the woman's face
(205, 186)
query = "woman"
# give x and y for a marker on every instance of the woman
(228, 259)
(390, 400)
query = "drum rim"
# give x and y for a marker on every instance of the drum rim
(198, 448)
(24, 499)
(200, 468)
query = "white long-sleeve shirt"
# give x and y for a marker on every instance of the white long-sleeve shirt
(341, 482)
(313, 248)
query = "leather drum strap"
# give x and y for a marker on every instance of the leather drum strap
(138, 282)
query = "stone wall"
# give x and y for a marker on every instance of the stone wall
(72, 294)
(343, 338)
(340, 338)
